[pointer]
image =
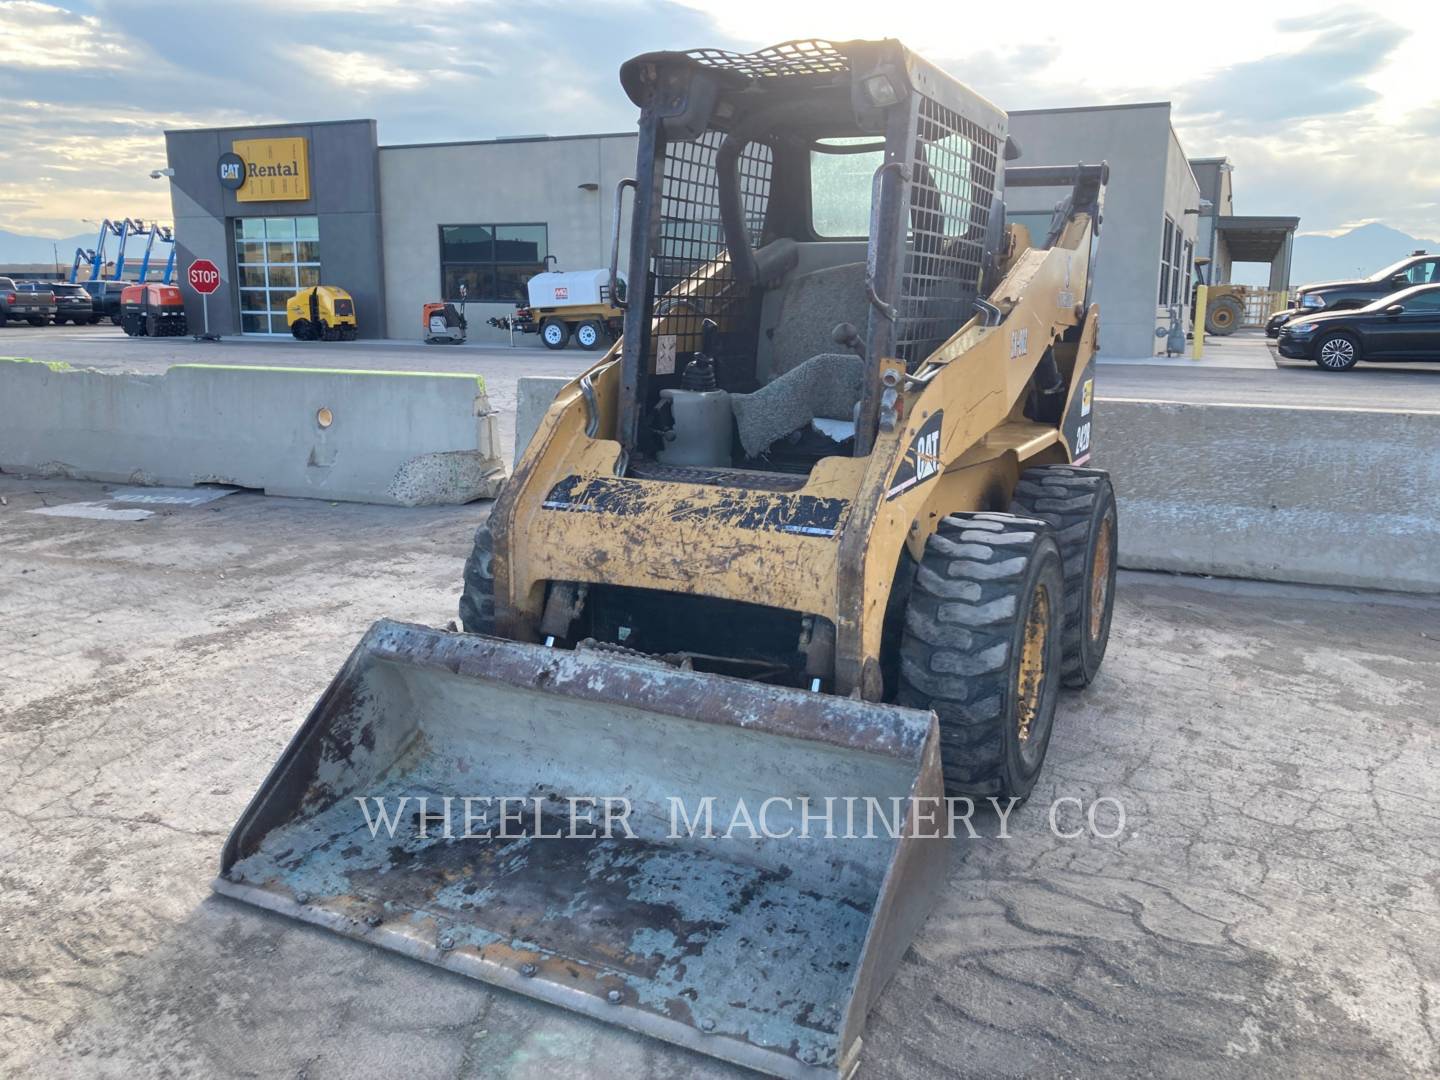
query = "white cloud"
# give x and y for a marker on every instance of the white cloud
(112, 77)
(44, 36)
(360, 71)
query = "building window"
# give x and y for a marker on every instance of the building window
(1189, 278)
(1169, 255)
(274, 259)
(493, 262)
(1177, 297)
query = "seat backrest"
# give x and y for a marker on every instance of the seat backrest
(811, 306)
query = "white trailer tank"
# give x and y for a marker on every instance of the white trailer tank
(571, 288)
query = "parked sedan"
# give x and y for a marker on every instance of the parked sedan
(72, 302)
(1402, 326)
(36, 308)
(1280, 318)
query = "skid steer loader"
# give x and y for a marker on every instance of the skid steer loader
(814, 538)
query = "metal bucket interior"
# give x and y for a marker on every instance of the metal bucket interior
(766, 952)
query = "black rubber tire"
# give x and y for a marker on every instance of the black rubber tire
(562, 337)
(1336, 337)
(965, 622)
(1079, 504)
(115, 319)
(477, 601)
(1227, 323)
(593, 328)
(37, 322)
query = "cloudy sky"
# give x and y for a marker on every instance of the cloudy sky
(1329, 112)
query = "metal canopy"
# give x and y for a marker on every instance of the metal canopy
(1256, 239)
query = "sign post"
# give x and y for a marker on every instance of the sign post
(204, 278)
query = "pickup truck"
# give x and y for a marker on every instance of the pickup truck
(72, 302)
(36, 308)
(105, 297)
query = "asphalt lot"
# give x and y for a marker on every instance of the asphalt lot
(1240, 369)
(1271, 907)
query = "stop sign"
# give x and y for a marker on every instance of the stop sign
(204, 276)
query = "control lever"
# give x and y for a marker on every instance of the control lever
(699, 373)
(845, 334)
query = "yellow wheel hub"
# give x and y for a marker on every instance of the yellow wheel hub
(1100, 577)
(1030, 683)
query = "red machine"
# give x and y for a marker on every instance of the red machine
(152, 310)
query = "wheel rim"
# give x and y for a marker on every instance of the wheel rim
(1337, 352)
(1100, 578)
(1221, 317)
(587, 335)
(552, 334)
(1030, 679)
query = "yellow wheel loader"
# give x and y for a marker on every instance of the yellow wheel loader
(811, 547)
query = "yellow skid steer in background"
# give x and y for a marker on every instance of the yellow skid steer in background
(811, 547)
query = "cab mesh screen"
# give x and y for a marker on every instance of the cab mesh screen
(691, 274)
(788, 58)
(952, 190)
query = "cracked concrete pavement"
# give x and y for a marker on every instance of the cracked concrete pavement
(1271, 907)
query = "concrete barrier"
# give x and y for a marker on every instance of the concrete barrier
(533, 395)
(1345, 497)
(406, 438)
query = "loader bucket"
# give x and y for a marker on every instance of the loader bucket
(762, 949)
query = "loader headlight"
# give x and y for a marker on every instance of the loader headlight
(881, 91)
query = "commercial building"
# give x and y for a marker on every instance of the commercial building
(280, 207)
(1147, 240)
(1226, 238)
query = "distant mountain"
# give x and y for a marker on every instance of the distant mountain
(1357, 253)
(19, 248)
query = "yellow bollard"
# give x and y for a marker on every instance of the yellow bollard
(1201, 295)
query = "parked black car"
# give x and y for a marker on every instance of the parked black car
(72, 302)
(1402, 326)
(1419, 268)
(106, 298)
(34, 306)
(1279, 319)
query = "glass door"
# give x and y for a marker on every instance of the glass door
(274, 259)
